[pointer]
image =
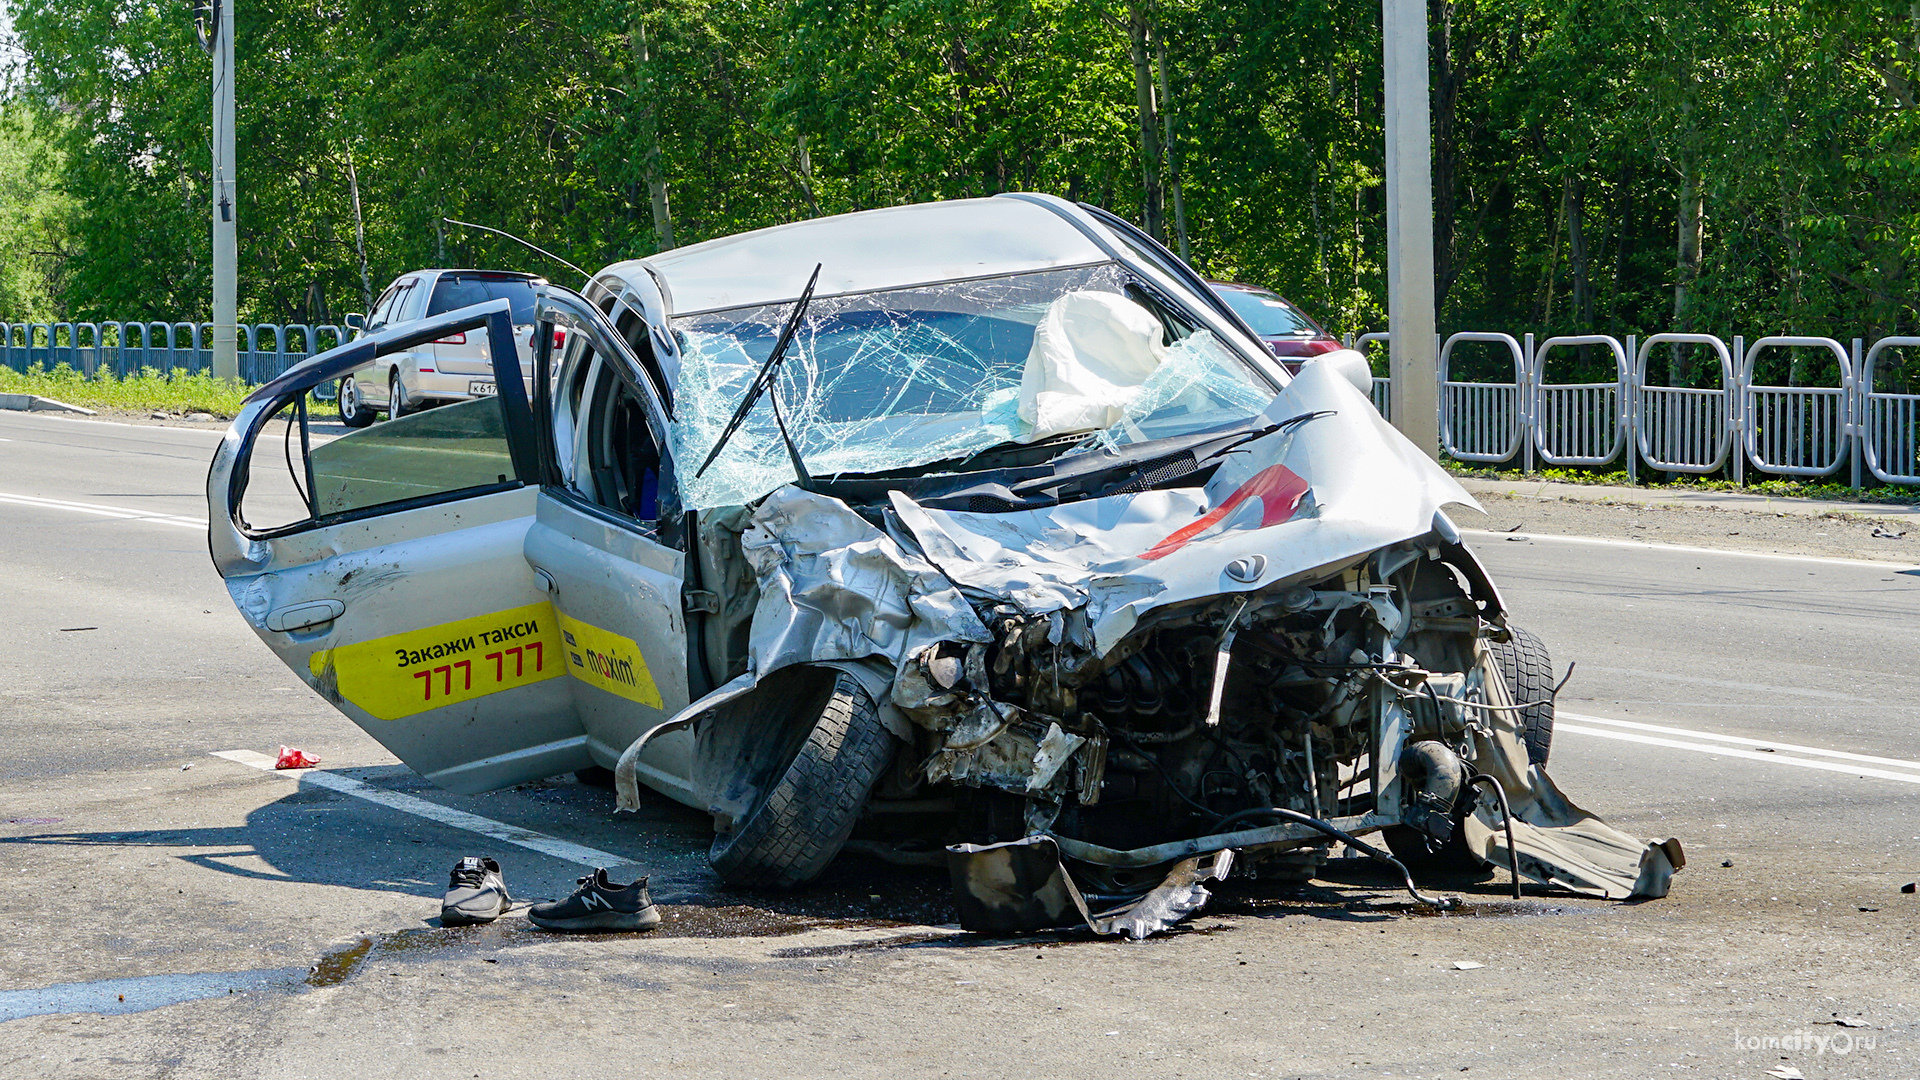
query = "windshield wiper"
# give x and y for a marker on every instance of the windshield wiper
(1268, 429)
(763, 382)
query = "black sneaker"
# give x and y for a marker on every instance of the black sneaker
(599, 904)
(475, 893)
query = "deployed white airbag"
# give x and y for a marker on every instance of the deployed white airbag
(1090, 356)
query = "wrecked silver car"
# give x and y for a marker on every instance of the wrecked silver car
(975, 532)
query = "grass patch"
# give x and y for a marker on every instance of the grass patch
(1777, 489)
(148, 391)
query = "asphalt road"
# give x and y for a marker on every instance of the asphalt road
(1730, 700)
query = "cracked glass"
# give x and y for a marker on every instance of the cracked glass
(927, 376)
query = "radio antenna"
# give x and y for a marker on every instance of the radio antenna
(517, 240)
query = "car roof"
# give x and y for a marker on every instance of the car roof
(894, 247)
(1242, 286)
(473, 272)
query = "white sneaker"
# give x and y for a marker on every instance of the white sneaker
(475, 893)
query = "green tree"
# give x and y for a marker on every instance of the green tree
(34, 216)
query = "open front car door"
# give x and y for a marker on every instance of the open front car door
(385, 564)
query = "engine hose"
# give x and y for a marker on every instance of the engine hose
(1506, 818)
(1441, 903)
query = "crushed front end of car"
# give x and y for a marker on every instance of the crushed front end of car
(1128, 642)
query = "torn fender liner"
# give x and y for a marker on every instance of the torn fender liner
(626, 782)
(1022, 886)
(1559, 843)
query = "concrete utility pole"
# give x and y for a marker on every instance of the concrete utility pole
(226, 358)
(1410, 315)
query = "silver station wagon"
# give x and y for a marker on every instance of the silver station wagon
(976, 533)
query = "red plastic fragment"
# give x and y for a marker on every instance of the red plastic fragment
(292, 757)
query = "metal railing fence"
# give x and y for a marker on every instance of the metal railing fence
(1797, 430)
(1682, 429)
(1483, 421)
(1889, 423)
(128, 348)
(1579, 423)
(1742, 425)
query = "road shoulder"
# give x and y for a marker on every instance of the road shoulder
(1720, 520)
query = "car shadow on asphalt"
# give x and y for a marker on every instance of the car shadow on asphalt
(314, 835)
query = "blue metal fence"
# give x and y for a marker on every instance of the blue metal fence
(128, 348)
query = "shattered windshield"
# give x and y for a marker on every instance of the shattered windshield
(891, 380)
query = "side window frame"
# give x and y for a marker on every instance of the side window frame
(382, 307)
(267, 403)
(563, 309)
(403, 303)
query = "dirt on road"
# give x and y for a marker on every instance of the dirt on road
(1783, 528)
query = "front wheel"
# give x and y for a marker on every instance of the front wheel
(353, 410)
(806, 808)
(1524, 662)
(397, 403)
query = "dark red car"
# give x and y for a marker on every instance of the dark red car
(1289, 332)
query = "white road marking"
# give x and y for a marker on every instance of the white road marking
(67, 419)
(1722, 750)
(1725, 684)
(1737, 740)
(563, 850)
(121, 512)
(1683, 549)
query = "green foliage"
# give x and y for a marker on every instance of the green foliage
(148, 391)
(34, 215)
(1569, 141)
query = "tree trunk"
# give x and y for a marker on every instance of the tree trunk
(1173, 150)
(1447, 78)
(652, 170)
(1502, 275)
(1152, 200)
(1572, 196)
(359, 232)
(1691, 227)
(803, 164)
(1552, 278)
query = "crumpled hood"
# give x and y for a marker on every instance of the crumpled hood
(1325, 493)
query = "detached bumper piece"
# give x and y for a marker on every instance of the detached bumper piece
(1023, 886)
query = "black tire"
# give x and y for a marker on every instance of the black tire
(1529, 673)
(397, 405)
(803, 818)
(353, 411)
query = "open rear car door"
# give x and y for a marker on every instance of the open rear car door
(385, 564)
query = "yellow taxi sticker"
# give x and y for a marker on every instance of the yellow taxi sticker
(399, 675)
(604, 659)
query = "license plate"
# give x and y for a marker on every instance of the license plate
(481, 389)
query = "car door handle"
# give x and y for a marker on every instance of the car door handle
(301, 616)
